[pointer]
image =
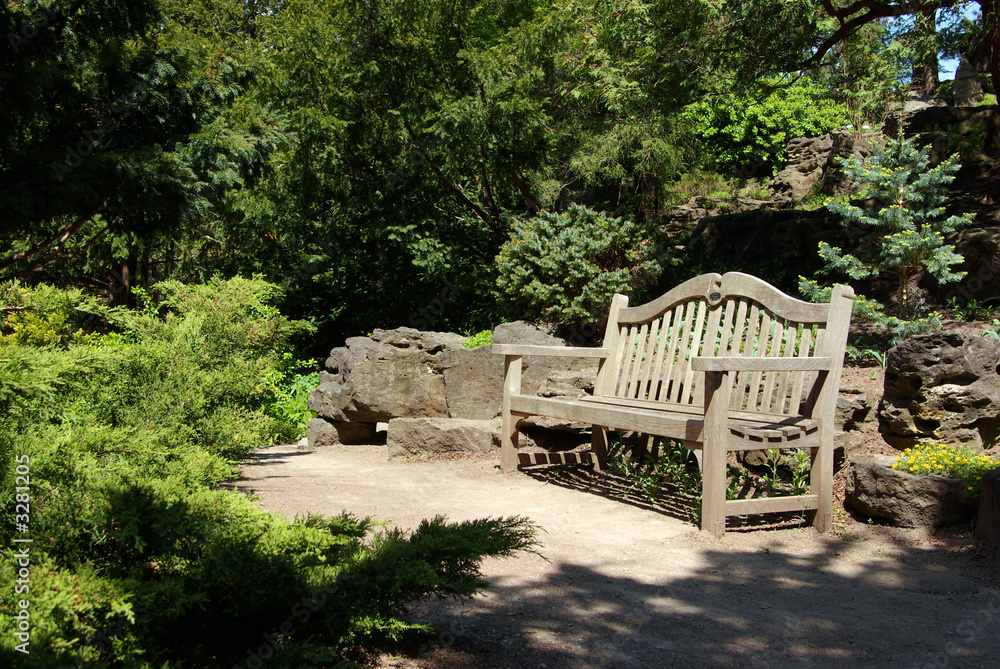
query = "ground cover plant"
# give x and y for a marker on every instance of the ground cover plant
(126, 422)
(947, 460)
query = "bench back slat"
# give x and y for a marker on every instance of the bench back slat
(731, 315)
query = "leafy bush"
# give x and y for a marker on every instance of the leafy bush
(741, 133)
(904, 237)
(943, 460)
(43, 315)
(567, 266)
(995, 332)
(138, 559)
(484, 338)
(291, 382)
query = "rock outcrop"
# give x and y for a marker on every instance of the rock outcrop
(942, 387)
(979, 124)
(684, 217)
(807, 157)
(814, 163)
(980, 249)
(407, 373)
(408, 436)
(781, 245)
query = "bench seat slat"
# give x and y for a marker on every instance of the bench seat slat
(681, 422)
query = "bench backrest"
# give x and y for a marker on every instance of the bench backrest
(732, 315)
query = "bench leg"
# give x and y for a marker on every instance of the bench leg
(713, 464)
(821, 485)
(508, 444)
(599, 447)
(508, 422)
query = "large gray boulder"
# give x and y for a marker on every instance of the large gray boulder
(854, 409)
(968, 88)
(406, 373)
(814, 163)
(980, 250)
(392, 374)
(942, 387)
(845, 145)
(877, 490)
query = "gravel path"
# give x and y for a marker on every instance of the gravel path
(620, 584)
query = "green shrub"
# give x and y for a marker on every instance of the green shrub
(567, 266)
(993, 333)
(42, 315)
(291, 382)
(696, 184)
(484, 338)
(743, 132)
(138, 559)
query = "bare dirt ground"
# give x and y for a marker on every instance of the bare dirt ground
(621, 583)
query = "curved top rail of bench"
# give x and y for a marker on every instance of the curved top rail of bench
(716, 289)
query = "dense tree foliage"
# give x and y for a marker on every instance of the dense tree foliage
(923, 43)
(903, 237)
(350, 150)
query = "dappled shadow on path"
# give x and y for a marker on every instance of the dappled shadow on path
(262, 459)
(668, 499)
(826, 602)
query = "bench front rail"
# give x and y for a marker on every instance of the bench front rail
(719, 363)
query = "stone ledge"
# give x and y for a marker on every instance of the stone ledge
(875, 489)
(408, 436)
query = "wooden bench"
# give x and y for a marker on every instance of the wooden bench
(720, 363)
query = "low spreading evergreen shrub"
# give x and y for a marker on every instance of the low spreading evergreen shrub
(138, 557)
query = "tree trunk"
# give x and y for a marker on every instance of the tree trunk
(121, 282)
(991, 38)
(925, 72)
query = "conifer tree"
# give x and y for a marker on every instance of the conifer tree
(905, 230)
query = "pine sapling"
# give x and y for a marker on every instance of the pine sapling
(904, 232)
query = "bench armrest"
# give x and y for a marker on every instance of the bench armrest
(563, 351)
(734, 363)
